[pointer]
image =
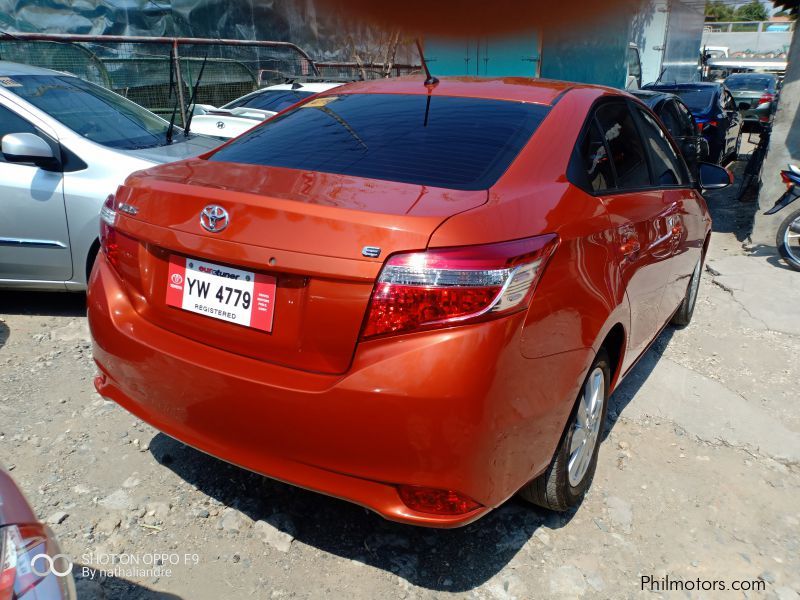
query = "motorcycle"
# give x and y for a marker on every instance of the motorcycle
(788, 238)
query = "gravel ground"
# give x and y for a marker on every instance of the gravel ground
(678, 494)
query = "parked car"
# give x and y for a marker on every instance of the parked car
(680, 123)
(715, 112)
(246, 112)
(66, 145)
(24, 573)
(755, 95)
(417, 298)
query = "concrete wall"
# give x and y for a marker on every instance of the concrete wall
(756, 42)
(784, 148)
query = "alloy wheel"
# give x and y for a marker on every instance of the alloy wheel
(791, 240)
(586, 428)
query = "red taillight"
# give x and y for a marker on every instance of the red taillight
(447, 286)
(19, 545)
(766, 97)
(436, 502)
(113, 243)
(108, 218)
(705, 125)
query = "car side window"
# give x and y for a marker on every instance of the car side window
(625, 146)
(671, 119)
(595, 159)
(10, 122)
(667, 167)
(686, 120)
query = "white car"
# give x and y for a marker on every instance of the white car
(248, 111)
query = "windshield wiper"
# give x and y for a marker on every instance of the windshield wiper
(171, 128)
(190, 108)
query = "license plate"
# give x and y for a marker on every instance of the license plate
(220, 292)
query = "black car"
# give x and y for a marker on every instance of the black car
(715, 112)
(679, 121)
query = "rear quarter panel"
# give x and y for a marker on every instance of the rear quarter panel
(579, 297)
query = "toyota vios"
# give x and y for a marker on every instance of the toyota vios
(417, 298)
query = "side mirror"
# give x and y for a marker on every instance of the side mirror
(28, 148)
(713, 177)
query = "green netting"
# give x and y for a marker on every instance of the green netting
(140, 71)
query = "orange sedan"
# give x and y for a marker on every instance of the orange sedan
(414, 297)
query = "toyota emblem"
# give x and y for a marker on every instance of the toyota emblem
(214, 218)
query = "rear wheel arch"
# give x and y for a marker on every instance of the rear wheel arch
(91, 256)
(614, 345)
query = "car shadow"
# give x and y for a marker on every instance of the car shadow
(455, 560)
(5, 333)
(625, 393)
(100, 587)
(56, 304)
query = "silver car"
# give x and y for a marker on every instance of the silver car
(66, 145)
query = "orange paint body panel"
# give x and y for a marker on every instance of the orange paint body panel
(475, 406)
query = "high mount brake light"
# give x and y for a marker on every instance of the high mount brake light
(448, 286)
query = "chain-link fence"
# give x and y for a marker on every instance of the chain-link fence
(161, 73)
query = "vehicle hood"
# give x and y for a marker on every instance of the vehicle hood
(179, 149)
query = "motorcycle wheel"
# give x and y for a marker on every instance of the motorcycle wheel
(788, 240)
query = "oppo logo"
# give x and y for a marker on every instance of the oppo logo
(44, 565)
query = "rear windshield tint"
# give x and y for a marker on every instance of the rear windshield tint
(458, 143)
(698, 100)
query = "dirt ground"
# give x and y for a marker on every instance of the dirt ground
(698, 479)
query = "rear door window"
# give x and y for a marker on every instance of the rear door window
(596, 161)
(667, 167)
(457, 143)
(626, 148)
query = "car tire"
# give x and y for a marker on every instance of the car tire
(683, 316)
(569, 475)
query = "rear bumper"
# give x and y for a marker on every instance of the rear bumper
(453, 409)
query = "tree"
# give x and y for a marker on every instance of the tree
(717, 10)
(753, 11)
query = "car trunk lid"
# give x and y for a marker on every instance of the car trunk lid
(307, 230)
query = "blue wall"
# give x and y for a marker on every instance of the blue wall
(595, 53)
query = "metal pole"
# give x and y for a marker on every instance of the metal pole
(179, 81)
(74, 37)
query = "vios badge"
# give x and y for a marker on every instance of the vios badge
(214, 218)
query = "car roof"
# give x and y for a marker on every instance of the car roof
(303, 86)
(759, 75)
(10, 69)
(521, 89)
(695, 85)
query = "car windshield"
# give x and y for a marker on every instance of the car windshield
(91, 111)
(698, 100)
(274, 100)
(457, 143)
(750, 83)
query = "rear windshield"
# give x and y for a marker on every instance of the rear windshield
(696, 100)
(274, 100)
(750, 83)
(458, 143)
